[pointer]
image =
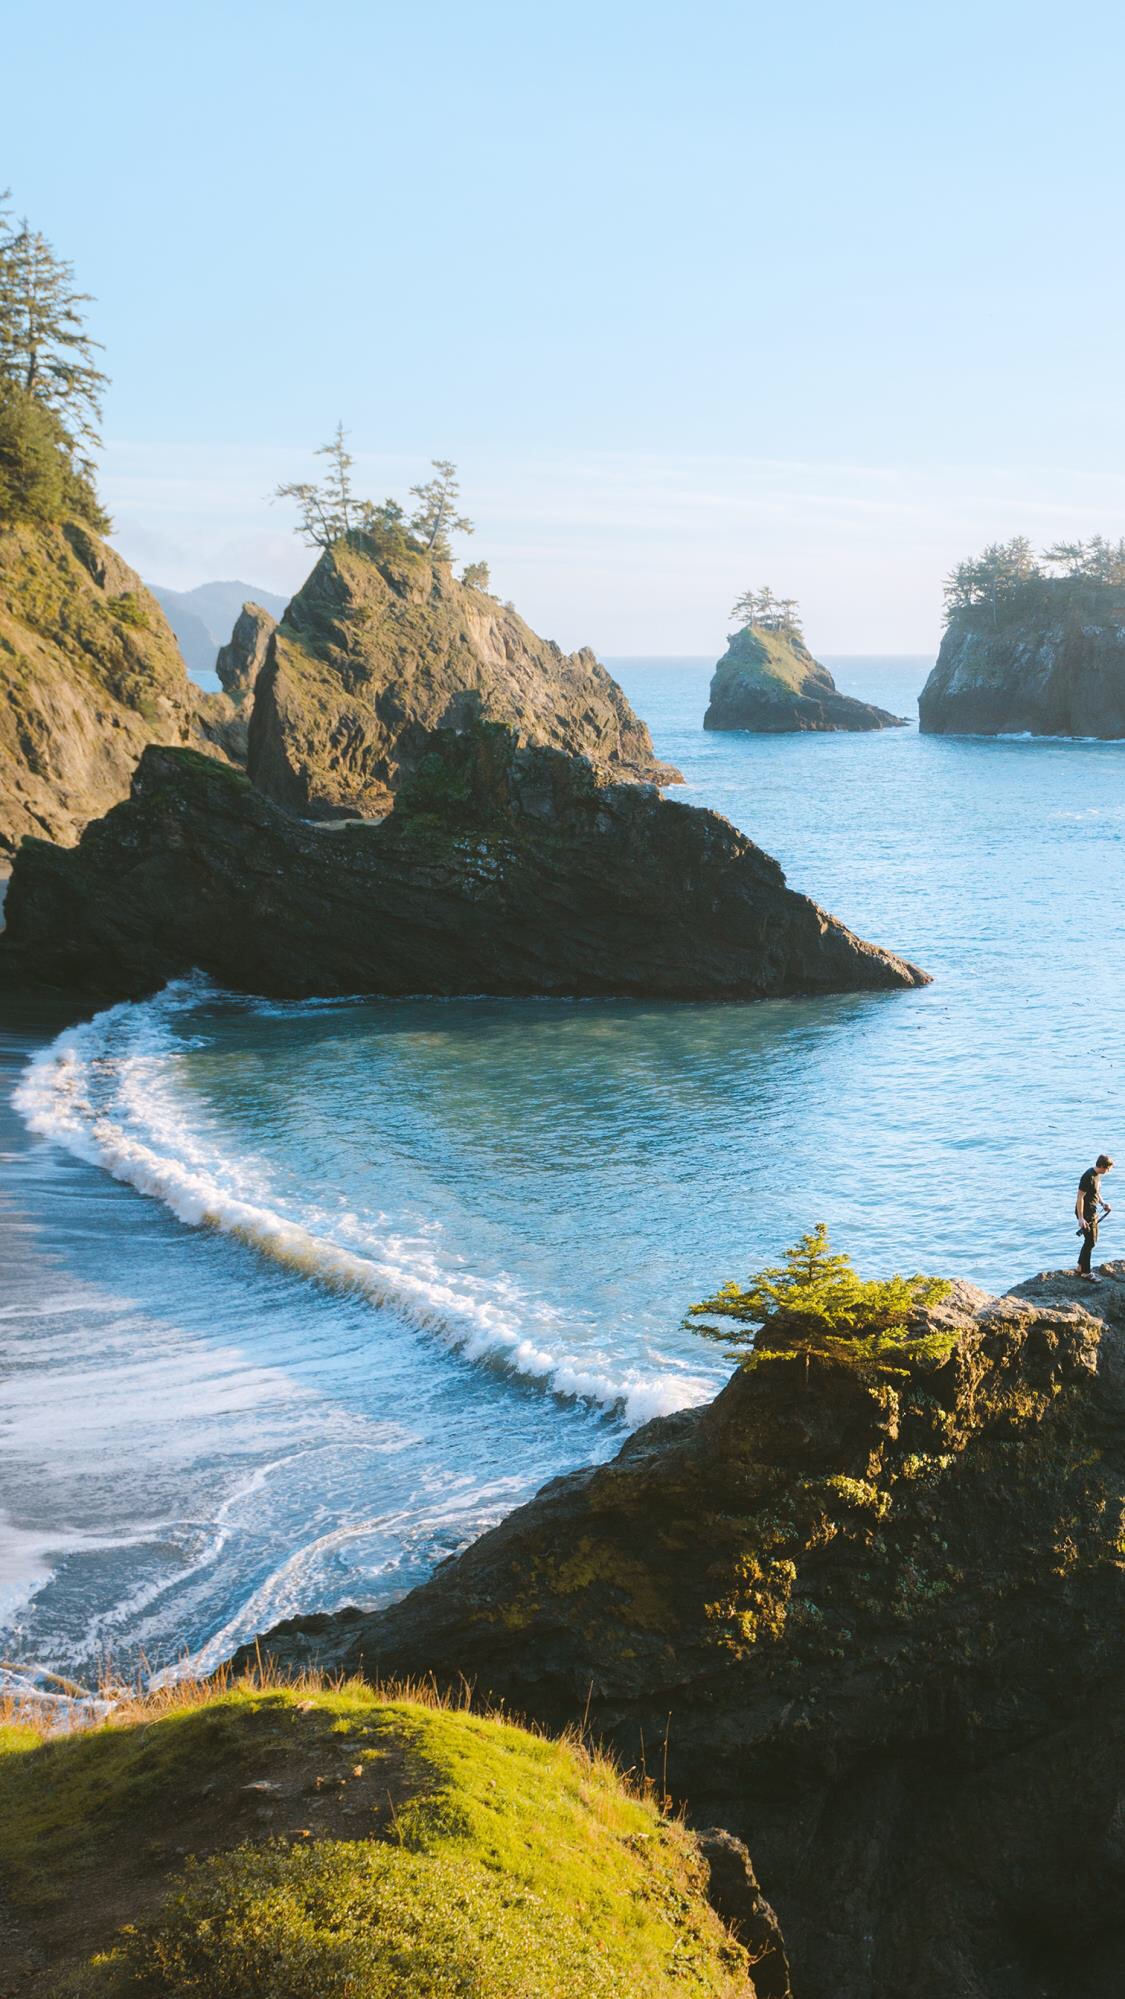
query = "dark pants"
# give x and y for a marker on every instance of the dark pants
(1089, 1238)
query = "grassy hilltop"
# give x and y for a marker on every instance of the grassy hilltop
(307, 1841)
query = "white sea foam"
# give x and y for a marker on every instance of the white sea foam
(106, 1091)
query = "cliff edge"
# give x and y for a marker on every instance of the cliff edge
(870, 1605)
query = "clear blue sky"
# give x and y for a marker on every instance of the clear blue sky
(821, 296)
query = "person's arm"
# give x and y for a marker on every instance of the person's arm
(1079, 1208)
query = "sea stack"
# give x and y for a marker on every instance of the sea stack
(1046, 658)
(768, 682)
(382, 645)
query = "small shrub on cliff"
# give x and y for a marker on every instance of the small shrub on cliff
(816, 1301)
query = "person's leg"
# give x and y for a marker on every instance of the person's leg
(1086, 1251)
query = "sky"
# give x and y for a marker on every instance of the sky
(697, 298)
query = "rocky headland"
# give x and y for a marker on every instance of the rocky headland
(501, 869)
(867, 1608)
(1046, 659)
(768, 681)
(89, 675)
(383, 645)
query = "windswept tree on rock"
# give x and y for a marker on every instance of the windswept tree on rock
(773, 614)
(436, 518)
(476, 575)
(331, 511)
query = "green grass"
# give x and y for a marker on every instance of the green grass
(314, 1840)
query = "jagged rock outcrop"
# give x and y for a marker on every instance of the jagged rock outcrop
(501, 870)
(241, 660)
(768, 681)
(222, 721)
(89, 674)
(383, 645)
(873, 1610)
(1052, 663)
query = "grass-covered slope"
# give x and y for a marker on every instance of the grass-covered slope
(336, 1843)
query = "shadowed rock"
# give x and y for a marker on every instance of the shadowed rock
(501, 870)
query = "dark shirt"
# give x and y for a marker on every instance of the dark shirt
(1090, 1188)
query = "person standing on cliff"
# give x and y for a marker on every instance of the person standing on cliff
(1086, 1211)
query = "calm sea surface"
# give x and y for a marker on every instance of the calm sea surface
(297, 1298)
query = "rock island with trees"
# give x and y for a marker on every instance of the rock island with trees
(768, 681)
(1033, 644)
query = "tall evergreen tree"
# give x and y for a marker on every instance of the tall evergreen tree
(45, 349)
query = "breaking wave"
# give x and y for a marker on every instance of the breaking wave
(107, 1091)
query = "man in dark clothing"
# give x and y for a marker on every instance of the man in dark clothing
(1086, 1210)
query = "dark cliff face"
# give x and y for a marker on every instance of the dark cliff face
(379, 648)
(501, 870)
(876, 1611)
(1052, 665)
(768, 682)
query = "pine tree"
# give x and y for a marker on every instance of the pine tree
(45, 349)
(476, 575)
(435, 518)
(329, 511)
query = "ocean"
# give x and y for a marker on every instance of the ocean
(298, 1298)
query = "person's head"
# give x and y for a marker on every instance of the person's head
(1103, 1163)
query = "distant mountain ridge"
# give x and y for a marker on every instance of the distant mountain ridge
(204, 618)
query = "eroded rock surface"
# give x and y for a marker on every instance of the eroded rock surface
(501, 870)
(876, 1611)
(89, 674)
(381, 647)
(768, 681)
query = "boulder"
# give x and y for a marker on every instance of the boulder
(868, 1608)
(1050, 664)
(383, 645)
(502, 869)
(768, 682)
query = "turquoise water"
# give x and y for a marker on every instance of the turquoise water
(298, 1298)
